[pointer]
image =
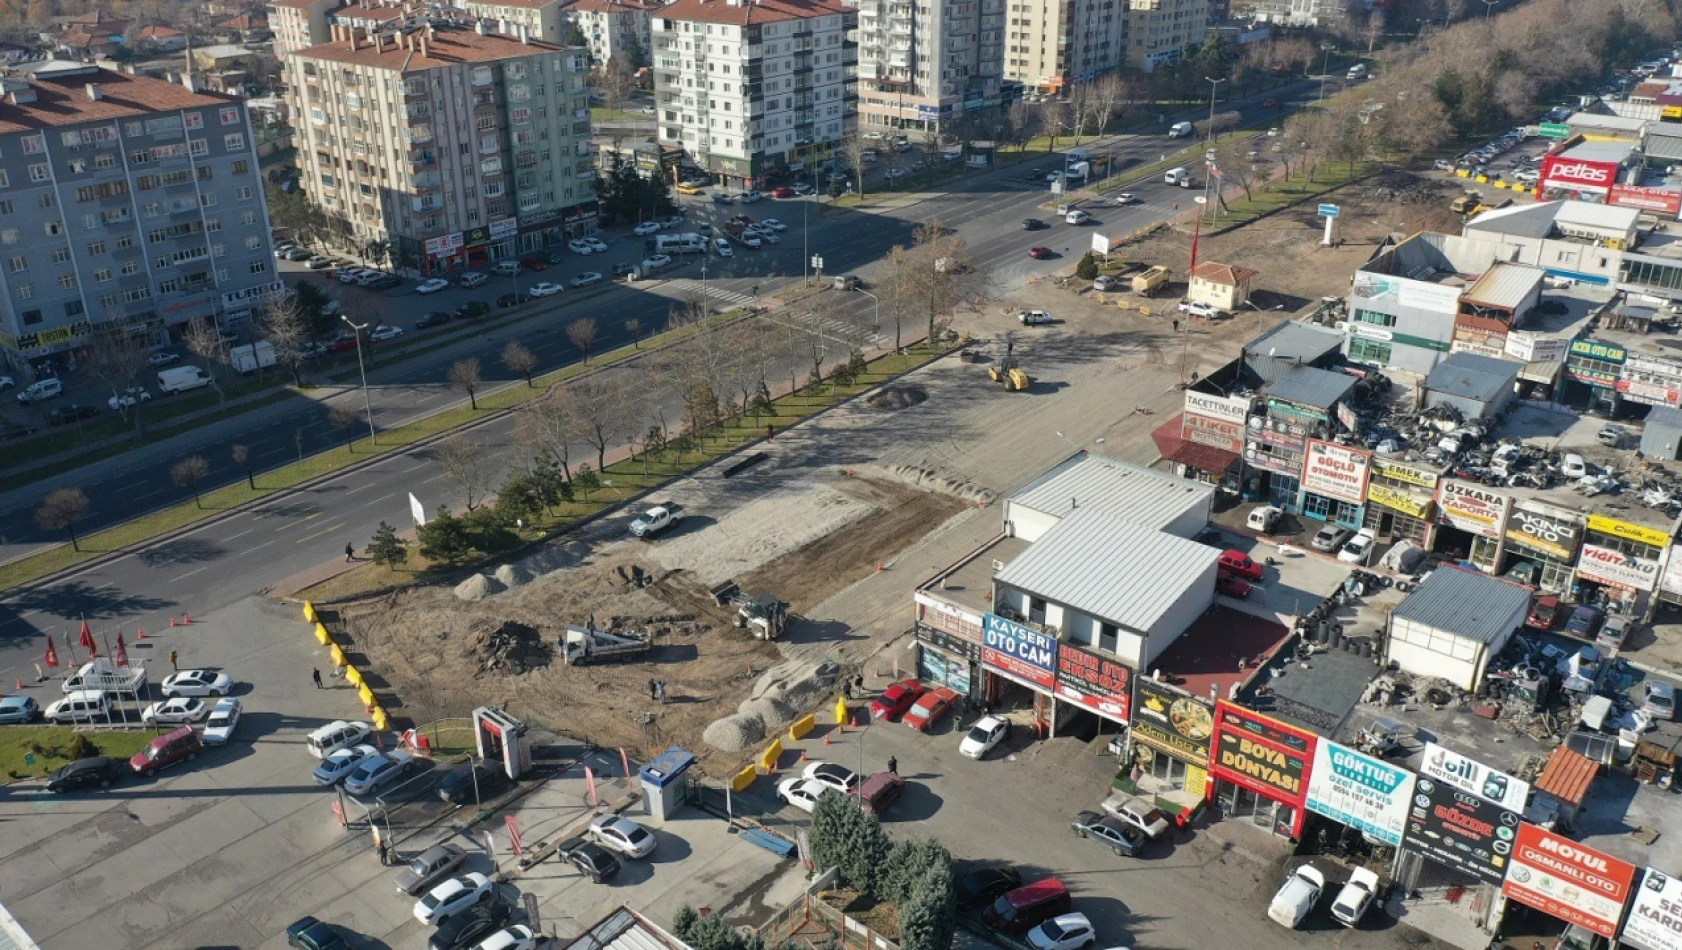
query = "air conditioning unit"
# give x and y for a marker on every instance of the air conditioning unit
(998, 565)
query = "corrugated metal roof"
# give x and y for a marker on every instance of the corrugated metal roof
(1568, 775)
(1107, 567)
(1532, 221)
(1664, 417)
(1599, 151)
(1594, 120)
(1465, 603)
(1472, 376)
(1505, 285)
(1134, 494)
(1307, 386)
(1295, 339)
(1664, 143)
(625, 929)
(12, 934)
(1592, 215)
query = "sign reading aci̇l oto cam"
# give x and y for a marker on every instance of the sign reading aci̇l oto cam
(1019, 653)
(1360, 791)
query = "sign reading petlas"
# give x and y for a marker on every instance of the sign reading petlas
(1336, 471)
(1095, 682)
(1460, 830)
(1655, 919)
(1360, 791)
(1473, 777)
(1472, 508)
(1578, 174)
(1569, 880)
(1020, 653)
(1263, 755)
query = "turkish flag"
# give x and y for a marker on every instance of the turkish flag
(52, 652)
(121, 655)
(87, 640)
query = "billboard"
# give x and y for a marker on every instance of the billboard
(1207, 430)
(1019, 653)
(1264, 755)
(1460, 830)
(1578, 174)
(1095, 682)
(1655, 919)
(1473, 777)
(1336, 471)
(1569, 880)
(1417, 294)
(444, 245)
(1231, 408)
(1544, 529)
(1611, 566)
(1661, 200)
(1360, 791)
(1651, 394)
(1472, 508)
(1172, 721)
(1655, 537)
(1530, 348)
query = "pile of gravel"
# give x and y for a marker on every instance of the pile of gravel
(475, 588)
(734, 733)
(779, 697)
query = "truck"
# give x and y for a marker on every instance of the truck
(178, 379)
(655, 520)
(252, 356)
(1148, 282)
(1181, 130)
(583, 645)
(1077, 171)
(762, 614)
(102, 674)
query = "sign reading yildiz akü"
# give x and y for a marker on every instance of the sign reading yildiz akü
(1655, 916)
(1460, 830)
(1263, 755)
(1360, 791)
(1336, 471)
(1096, 682)
(1020, 653)
(1473, 777)
(1569, 880)
(1472, 508)
(1614, 567)
(1173, 721)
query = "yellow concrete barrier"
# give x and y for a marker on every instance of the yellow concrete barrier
(382, 723)
(801, 726)
(309, 612)
(1501, 185)
(353, 676)
(1144, 310)
(1462, 172)
(321, 635)
(1482, 179)
(768, 759)
(336, 655)
(366, 695)
(744, 778)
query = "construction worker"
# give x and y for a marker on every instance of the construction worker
(172, 665)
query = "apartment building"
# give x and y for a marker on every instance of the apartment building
(1052, 43)
(299, 24)
(924, 64)
(747, 87)
(457, 146)
(1158, 31)
(542, 19)
(125, 199)
(615, 27)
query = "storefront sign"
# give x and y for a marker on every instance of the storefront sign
(537, 218)
(1231, 408)
(578, 214)
(1473, 777)
(954, 620)
(1530, 348)
(1649, 394)
(1552, 533)
(1423, 477)
(1263, 755)
(1662, 200)
(1360, 791)
(1171, 721)
(1206, 430)
(444, 245)
(1460, 830)
(1096, 682)
(1399, 500)
(1596, 352)
(1472, 508)
(1671, 582)
(1655, 919)
(1569, 880)
(1293, 437)
(1629, 532)
(1288, 465)
(1609, 566)
(504, 228)
(1578, 174)
(55, 336)
(1336, 471)
(1020, 653)
(948, 643)
(1419, 295)
(1287, 409)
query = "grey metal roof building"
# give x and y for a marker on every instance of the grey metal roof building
(625, 929)
(1473, 376)
(1505, 286)
(1307, 386)
(1531, 221)
(1661, 438)
(1288, 346)
(1470, 605)
(1129, 492)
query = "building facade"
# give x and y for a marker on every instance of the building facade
(615, 28)
(299, 24)
(456, 146)
(1158, 31)
(747, 88)
(542, 19)
(125, 199)
(921, 65)
(1052, 43)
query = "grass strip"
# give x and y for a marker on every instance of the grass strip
(49, 746)
(1287, 192)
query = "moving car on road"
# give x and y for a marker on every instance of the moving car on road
(1040, 252)
(198, 683)
(983, 736)
(586, 279)
(646, 228)
(385, 331)
(545, 289)
(432, 286)
(435, 318)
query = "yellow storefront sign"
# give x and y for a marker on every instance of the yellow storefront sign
(1424, 478)
(1627, 531)
(1397, 499)
(1197, 781)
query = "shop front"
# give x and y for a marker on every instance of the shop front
(1170, 736)
(1545, 536)
(1455, 849)
(1094, 683)
(1334, 483)
(444, 253)
(1655, 916)
(1360, 792)
(1019, 664)
(1618, 567)
(1273, 465)
(1568, 880)
(1261, 768)
(1471, 520)
(1200, 449)
(948, 644)
(1400, 502)
(1592, 371)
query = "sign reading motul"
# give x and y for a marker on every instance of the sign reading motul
(1571, 881)
(1578, 174)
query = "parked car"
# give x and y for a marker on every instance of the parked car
(420, 871)
(646, 228)
(49, 388)
(385, 331)
(435, 318)
(1124, 839)
(432, 286)
(171, 748)
(782, 191)
(163, 358)
(1107, 282)
(1033, 318)
(597, 245)
(1358, 550)
(198, 683)
(832, 775)
(586, 279)
(896, 699)
(546, 289)
(460, 785)
(984, 885)
(802, 793)
(468, 930)
(617, 833)
(372, 774)
(1297, 897)
(580, 246)
(452, 897)
(877, 792)
(1232, 586)
(930, 708)
(1355, 897)
(1331, 538)
(1658, 699)
(987, 732)
(178, 710)
(224, 718)
(341, 762)
(534, 262)
(99, 771)
(1137, 812)
(474, 279)
(1239, 564)
(307, 933)
(1584, 621)
(594, 862)
(19, 710)
(1063, 932)
(1198, 308)
(1543, 613)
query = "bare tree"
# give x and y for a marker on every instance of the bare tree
(853, 148)
(466, 463)
(1019, 123)
(116, 357)
(466, 376)
(941, 272)
(204, 341)
(187, 474)
(598, 407)
(60, 511)
(519, 359)
(242, 458)
(582, 334)
(546, 426)
(616, 79)
(1080, 107)
(1236, 164)
(343, 419)
(285, 325)
(1106, 97)
(633, 326)
(1223, 122)
(1053, 114)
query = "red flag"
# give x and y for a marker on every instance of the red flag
(122, 651)
(52, 652)
(87, 640)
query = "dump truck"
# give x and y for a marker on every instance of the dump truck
(1007, 371)
(1466, 203)
(583, 645)
(762, 614)
(102, 674)
(657, 519)
(1151, 280)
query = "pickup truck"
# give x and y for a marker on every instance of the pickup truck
(655, 520)
(102, 674)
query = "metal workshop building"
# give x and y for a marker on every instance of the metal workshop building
(1133, 494)
(1476, 386)
(1454, 624)
(1300, 406)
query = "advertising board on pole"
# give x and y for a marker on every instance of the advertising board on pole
(1460, 830)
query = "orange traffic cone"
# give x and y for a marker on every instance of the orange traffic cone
(172, 621)
(186, 619)
(826, 738)
(141, 635)
(20, 684)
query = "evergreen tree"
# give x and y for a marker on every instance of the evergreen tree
(831, 819)
(712, 933)
(928, 918)
(1087, 269)
(587, 480)
(444, 538)
(519, 497)
(385, 548)
(907, 865)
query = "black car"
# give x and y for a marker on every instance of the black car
(65, 415)
(311, 934)
(1123, 839)
(1037, 174)
(100, 771)
(984, 885)
(512, 300)
(436, 318)
(597, 863)
(10, 432)
(471, 927)
(1033, 224)
(471, 309)
(621, 269)
(457, 787)
(386, 282)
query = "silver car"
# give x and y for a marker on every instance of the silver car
(424, 869)
(1331, 538)
(1658, 700)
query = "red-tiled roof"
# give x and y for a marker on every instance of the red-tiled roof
(158, 31)
(446, 47)
(67, 102)
(100, 18)
(1568, 775)
(522, 4)
(749, 11)
(244, 21)
(1229, 274)
(1171, 446)
(610, 6)
(362, 14)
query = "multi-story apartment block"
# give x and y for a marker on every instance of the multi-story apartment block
(299, 24)
(125, 199)
(748, 86)
(921, 64)
(615, 27)
(456, 146)
(1158, 31)
(542, 19)
(1052, 43)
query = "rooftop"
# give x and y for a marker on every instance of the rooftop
(1472, 376)
(606, 6)
(61, 102)
(1295, 339)
(1108, 567)
(1505, 286)
(222, 51)
(448, 46)
(1568, 775)
(1531, 220)
(1307, 386)
(970, 583)
(742, 14)
(1591, 120)
(358, 15)
(1470, 605)
(1133, 494)
(1221, 648)
(1599, 151)
(1590, 215)
(1231, 274)
(625, 929)
(158, 31)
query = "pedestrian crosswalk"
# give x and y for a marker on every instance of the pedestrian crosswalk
(686, 288)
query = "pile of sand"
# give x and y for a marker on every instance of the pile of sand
(779, 697)
(477, 588)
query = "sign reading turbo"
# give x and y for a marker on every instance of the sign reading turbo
(1569, 880)
(1336, 471)
(1019, 652)
(1263, 755)
(1360, 791)
(1460, 830)
(1655, 919)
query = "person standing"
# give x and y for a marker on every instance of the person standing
(172, 658)
(653, 691)
(350, 552)
(893, 765)
(316, 675)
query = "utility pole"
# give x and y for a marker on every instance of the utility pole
(362, 368)
(1209, 140)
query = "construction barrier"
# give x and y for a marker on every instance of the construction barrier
(366, 695)
(336, 655)
(321, 635)
(309, 612)
(1482, 179)
(1144, 310)
(1462, 173)
(381, 722)
(801, 726)
(768, 758)
(1501, 185)
(744, 778)
(353, 676)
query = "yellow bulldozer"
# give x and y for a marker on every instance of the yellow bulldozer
(1006, 371)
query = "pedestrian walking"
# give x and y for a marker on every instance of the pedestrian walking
(893, 765)
(350, 552)
(172, 665)
(316, 675)
(653, 691)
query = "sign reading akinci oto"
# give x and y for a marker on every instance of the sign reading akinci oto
(1019, 652)
(1360, 791)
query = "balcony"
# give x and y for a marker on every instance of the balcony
(428, 181)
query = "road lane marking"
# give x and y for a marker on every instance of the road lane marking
(240, 535)
(189, 574)
(306, 518)
(320, 533)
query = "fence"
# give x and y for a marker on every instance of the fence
(811, 923)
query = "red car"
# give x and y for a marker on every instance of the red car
(341, 344)
(534, 263)
(1232, 586)
(931, 708)
(1271, 104)
(1239, 564)
(1543, 614)
(782, 191)
(896, 699)
(1039, 252)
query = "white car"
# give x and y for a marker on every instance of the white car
(656, 262)
(767, 235)
(432, 286)
(175, 711)
(622, 835)
(516, 937)
(452, 897)
(586, 279)
(1198, 308)
(1125, 198)
(580, 246)
(341, 762)
(385, 331)
(224, 716)
(1355, 897)
(646, 228)
(749, 197)
(1137, 812)
(1359, 548)
(198, 683)
(163, 359)
(128, 397)
(349, 275)
(1063, 932)
(802, 793)
(773, 224)
(748, 240)
(474, 279)
(828, 774)
(983, 736)
(722, 248)
(372, 773)
(1033, 318)
(596, 244)
(1296, 899)
(544, 289)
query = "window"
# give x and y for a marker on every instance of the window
(230, 115)
(240, 167)
(169, 286)
(206, 173)
(73, 308)
(6, 207)
(67, 281)
(126, 240)
(61, 255)
(137, 293)
(213, 224)
(259, 267)
(243, 193)
(105, 160)
(96, 247)
(18, 264)
(10, 236)
(253, 242)
(48, 200)
(140, 156)
(234, 141)
(1365, 350)
(248, 218)
(131, 267)
(31, 317)
(26, 291)
(208, 199)
(54, 228)
(102, 275)
(110, 300)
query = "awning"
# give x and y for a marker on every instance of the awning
(1540, 372)
(1567, 776)
(1205, 458)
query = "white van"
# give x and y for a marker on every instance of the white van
(1357, 72)
(179, 379)
(335, 736)
(1080, 154)
(41, 389)
(1181, 130)
(84, 705)
(1178, 176)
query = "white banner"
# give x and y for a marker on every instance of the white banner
(1336, 471)
(1473, 777)
(1473, 508)
(1617, 568)
(1360, 791)
(1530, 348)
(1231, 408)
(1655, 918)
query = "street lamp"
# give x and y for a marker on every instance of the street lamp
(1325, 69)
(877, 301)
(1214, 84)
(367, 401)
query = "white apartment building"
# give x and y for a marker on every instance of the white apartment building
(615, 27)
(543, 19)
(1158, 31)
(748, 86)
(924, 64)
(1052, 43)
(458, 146)
(299, 24)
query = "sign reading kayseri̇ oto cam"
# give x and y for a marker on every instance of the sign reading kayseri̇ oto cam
(1360, 791)
(1472, 508)
(1472, 776)
(1336, 471)
(1019, 653)
(1263, 755)
(1569, 880)
(1655, 916)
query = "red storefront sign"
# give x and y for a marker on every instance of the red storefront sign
(1264, 755)
(1578, 174)
(1219, 433)
(1096, 682)
(1661, 200)
(1569, 880)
